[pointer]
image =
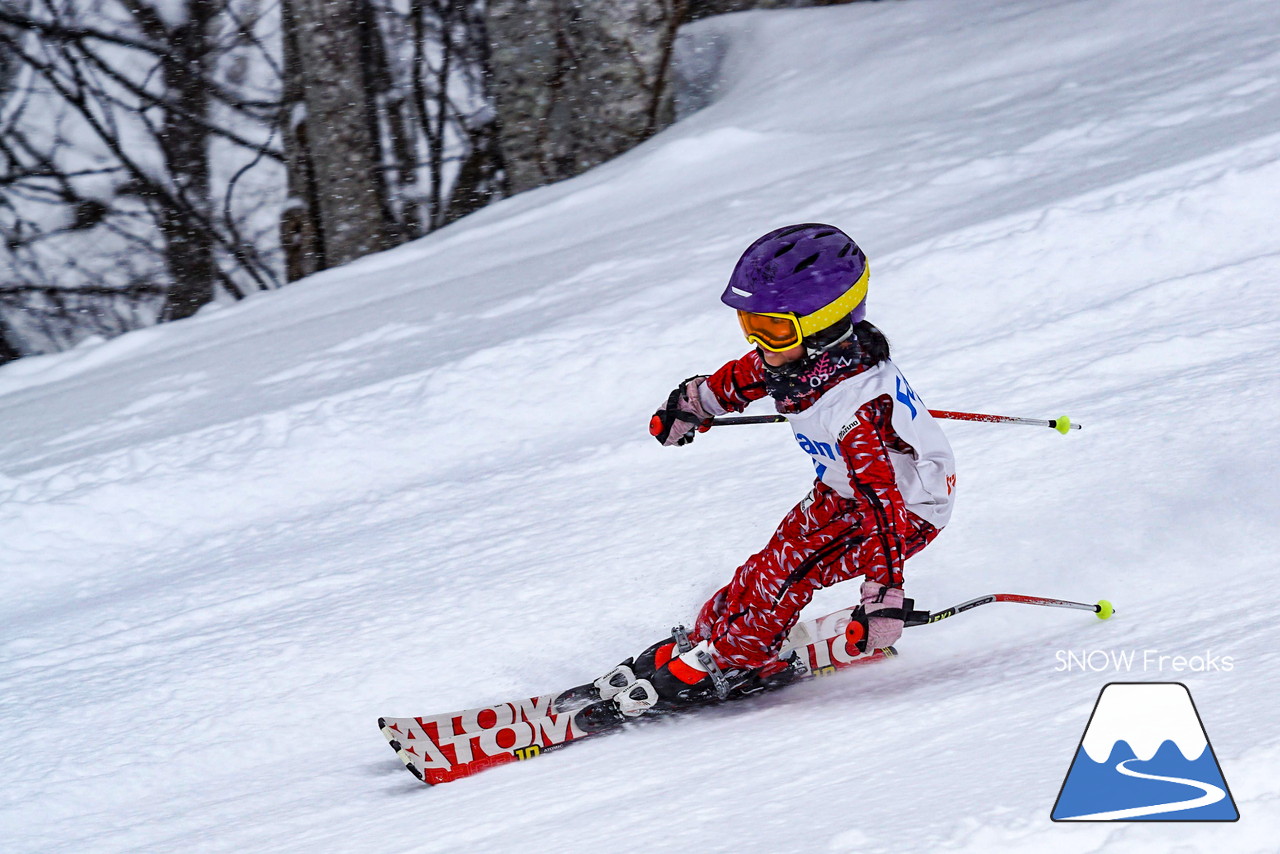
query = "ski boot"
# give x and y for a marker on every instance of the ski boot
(674, 675)
(684, 674)
(641, 685)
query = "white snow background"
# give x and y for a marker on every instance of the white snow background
(424, 482)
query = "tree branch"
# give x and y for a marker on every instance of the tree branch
(59, 32)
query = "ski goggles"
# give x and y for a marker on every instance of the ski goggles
(778, 331)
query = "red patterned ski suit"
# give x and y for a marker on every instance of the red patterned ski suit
(884, 486)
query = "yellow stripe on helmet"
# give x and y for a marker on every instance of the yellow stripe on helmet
(841, 307)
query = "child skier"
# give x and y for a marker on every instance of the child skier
(885, 472)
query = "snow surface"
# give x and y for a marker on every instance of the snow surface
(423, 482)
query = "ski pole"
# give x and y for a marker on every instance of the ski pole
(1103, 608)
(1062, 425)
(857, 631)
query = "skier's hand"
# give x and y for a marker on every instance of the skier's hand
(883, 607)
(677, 422)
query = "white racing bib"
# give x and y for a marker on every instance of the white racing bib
(926, 477)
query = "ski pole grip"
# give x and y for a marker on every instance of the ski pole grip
(855, 633)
(913, 617)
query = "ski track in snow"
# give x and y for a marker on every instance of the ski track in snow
(423, 481)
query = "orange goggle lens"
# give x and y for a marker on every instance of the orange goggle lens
(776, 332)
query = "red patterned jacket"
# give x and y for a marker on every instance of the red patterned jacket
(869, 435)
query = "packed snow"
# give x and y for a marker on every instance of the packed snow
(423, 482)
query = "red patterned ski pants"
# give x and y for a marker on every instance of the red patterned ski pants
(823, 540)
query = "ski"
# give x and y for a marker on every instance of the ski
(441, 748)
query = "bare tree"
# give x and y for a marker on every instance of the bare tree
(417, 132)
(158, 154)
(575, 84)
(301, 231)
(106, 161)
(183, 206)
(330, 61)
(438, 125)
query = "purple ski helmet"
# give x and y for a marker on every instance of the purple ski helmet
(813, 274)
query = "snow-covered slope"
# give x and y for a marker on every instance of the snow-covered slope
(423, 482)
